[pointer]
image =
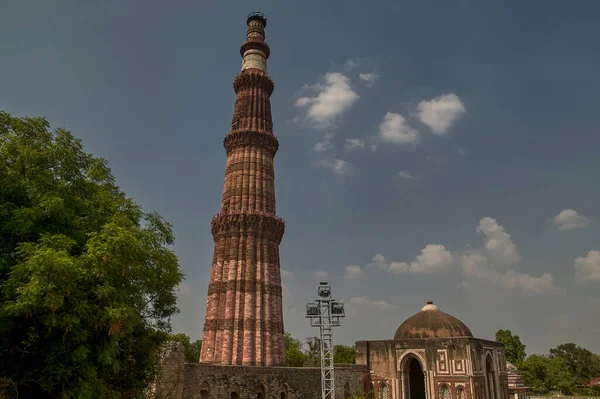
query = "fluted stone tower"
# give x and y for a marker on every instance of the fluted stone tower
(244, 319)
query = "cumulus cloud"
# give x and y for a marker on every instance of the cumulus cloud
(352, 63)
(498, 243)
(587, 268)
(433, 258)
(536, 285)
(570, 219)
(490, 263)
(493, 263)
(339, 167)
(403, 174)
(394, 129)
(353, 272)
(326, 144)
(286, 274)
(368, 78)
(441, 112)
(332, 98)
(479, 267)
(366, 301)
(321, 274)
(354, 144)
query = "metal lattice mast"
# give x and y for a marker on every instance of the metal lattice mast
(326, 313)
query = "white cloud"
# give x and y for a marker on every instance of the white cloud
(353, 272)
(286, 274)
(379, 261)
(303, 101)
(498, 243)
(570, 219)
(441, 112)
(499, 252)
(376, 303)
(352, 63)
(488, 264)
(405, 175)
(332, 98)
(339, 167)
(587, 268)
(536, 285)
(368, 78)
(433, 258)
(479, 267)
(321, 274)
(326, 144)
(354, 144)
(394, 129)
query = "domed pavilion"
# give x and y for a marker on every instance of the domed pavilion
(434, 356)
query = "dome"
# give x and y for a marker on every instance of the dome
(431, 322)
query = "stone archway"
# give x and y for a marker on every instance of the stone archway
(204, 390)
(413, 379)
(490, 377)
(262, 392)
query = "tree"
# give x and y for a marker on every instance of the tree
(515, 350)
(87, 279)
(191, 349)
(294, 357)
(313, 352)
(579, 361)
(343, 354)
(543, 374)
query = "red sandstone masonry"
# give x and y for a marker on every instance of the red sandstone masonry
(244, 320)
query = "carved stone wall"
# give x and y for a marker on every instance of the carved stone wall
(457, 364)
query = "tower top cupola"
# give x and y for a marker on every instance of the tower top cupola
(254, 50)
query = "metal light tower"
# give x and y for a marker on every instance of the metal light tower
(326, 313)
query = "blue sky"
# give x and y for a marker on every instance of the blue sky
(443, 151)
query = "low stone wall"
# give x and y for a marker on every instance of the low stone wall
(179, 380)
(204, 381)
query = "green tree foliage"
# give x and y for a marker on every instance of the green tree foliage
(515, 350)
(582, 364)
(543, 374)
(343, 354)
(192, 349)
(313, 352)
(87, 279)
(294, 357)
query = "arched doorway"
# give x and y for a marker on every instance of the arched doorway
(490, 377)
(235, 391)
(414, 379)
(204, 390)
(262, 392)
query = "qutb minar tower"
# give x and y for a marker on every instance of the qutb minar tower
(244, 318)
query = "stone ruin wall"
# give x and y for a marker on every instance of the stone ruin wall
(178, 380)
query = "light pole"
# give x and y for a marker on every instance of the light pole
(325, 313)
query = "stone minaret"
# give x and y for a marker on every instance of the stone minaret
(244, 319)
